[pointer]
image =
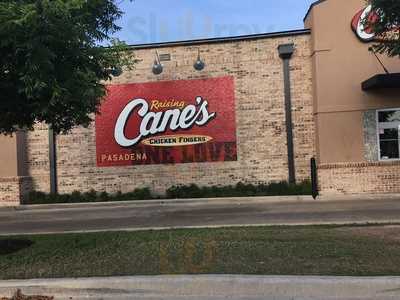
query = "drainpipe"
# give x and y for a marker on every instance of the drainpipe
(285, 53)
(53, 161)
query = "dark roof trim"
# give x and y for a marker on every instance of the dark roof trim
(311, 7)
(382, 81)
(223, 39)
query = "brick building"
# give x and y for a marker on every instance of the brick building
(262, 106)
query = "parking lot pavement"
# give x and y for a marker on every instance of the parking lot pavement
(197, 213)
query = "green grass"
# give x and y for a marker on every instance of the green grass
(315, 250)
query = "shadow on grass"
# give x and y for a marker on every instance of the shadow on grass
(9, 246)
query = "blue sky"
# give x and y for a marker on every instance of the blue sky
(149, 21)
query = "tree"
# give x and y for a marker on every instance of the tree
(52, 68)
(386, 25)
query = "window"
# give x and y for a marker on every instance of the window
(389, 134)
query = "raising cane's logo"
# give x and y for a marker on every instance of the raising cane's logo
(167, 122)
(362, 30)
(153, 123)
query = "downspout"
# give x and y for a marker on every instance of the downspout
(285, 53)
(53, 161)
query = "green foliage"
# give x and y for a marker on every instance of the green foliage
(176, 192)
(239, 190)
(91, 196)
(386, 26)
(52, 68)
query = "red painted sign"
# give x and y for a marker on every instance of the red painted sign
(363, 32)
(167, 122)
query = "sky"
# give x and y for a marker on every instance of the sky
(151, 21)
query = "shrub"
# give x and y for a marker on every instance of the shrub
(240, 190)
(176, 192)
(91, 196)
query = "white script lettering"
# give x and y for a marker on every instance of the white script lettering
(159, 122)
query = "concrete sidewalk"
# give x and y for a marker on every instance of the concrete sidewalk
(196, 213)
(211, 287)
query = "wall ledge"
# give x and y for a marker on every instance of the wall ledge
(358, 165)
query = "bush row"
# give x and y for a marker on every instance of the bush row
(176, 192)
(239, 190)
(91, 196)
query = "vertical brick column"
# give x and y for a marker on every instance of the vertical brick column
(9, 171)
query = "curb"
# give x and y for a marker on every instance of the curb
(210, 287)
(221, 226)
(272, 199)
(193, 201)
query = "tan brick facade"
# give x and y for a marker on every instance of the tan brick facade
(9, 190)
(14, 189)
(261, 134)
(334, 120)
(359, 178)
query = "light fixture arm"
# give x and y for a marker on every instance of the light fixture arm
(199, 64)
(380, 62)
(157, 67)
(158, 58)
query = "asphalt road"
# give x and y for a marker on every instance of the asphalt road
(195, 213)
(209, 287)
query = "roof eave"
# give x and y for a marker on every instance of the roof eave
(223, 39)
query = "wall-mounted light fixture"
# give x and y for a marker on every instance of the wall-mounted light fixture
(117, 71)
(199, 64)
(157, 67)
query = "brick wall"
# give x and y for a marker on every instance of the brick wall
(261, 136)
(9, 190)
(369, 177)
(14, 189)
(359, 178)
(37, 158)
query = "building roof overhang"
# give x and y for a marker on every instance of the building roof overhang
(279, 34)
(381, 81)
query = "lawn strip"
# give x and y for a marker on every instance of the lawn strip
(300, 250)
